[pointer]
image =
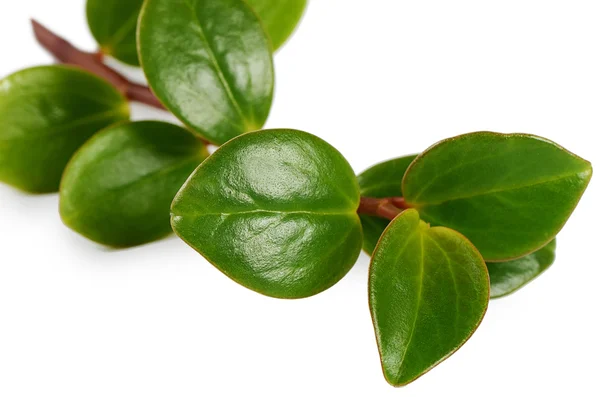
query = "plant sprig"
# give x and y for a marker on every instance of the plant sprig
(279, 211)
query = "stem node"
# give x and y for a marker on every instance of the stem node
(387, 208)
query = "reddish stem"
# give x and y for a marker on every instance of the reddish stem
(387, 208)
(66, 53)
(400, 202)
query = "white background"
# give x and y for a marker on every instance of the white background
(377, 79)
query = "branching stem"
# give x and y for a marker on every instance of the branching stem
(66, 53)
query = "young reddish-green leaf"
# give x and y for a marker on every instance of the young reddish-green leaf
(209, 62)
(275, 211)
(428, 292)
(113, 24)
(381, 181)
(46, 114)
(510, 194)
(508, 277)
(279, 17)
(118, 188)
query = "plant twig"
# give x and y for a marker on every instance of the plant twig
(387, 208)
(66, 53)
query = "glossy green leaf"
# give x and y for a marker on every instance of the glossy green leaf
(113, 24)
(381, 181)
(510, 194)
(274, 210)
(508, 277)
(280, 17)
(118, 188)
(46, 114)
(428, 292)
(210, 63)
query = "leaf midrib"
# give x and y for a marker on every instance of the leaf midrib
(69, 127)
(118, 189)
(216, 64)
(417, 310)
(503, 190)
(59, 89)
(458, 166)
(263, 211)
(454, 281)
(125, 29)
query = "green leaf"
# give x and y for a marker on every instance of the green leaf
(428, 290)
(381, 181)
(274, 210)
(210, 63)
(118, 188)
(280, 17)
(510, 194)
(113, 24)
(47, 113)
(508, 277)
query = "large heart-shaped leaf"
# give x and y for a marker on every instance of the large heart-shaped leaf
(113, 24)
(508, 277)
(428, 290)
(118, 188)
(46, 114)
(280, 17)
(209, 62)
(381, 181)
(275, 211)
(510, 194)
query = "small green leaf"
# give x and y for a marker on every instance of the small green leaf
(46, 114)
(113, 24)
(428, 290)
(510, 194)
(274, 210)
(118, 188)
(210, 63)
(381, 181)
(508, 277)
(280, 17)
